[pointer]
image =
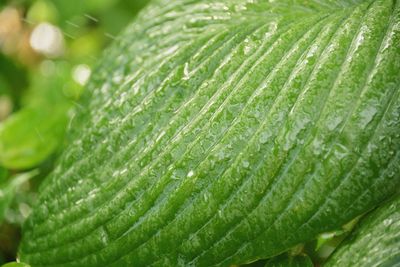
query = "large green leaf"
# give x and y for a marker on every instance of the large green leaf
(376, 241)
(223, 131)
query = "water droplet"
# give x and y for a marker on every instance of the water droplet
(387, 222)
(190, 174)
(124, 171)
(245, 164)
(186, 72)
(160, 136)
(367, 115)
(264, 137)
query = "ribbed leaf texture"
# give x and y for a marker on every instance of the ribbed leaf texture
(224, 131)
(376, 242)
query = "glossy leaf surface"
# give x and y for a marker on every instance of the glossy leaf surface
(220, 132)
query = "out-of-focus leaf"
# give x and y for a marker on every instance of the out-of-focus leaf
(81, 49)
(42, 10)
(94, 10)
(31, 135)
(8, 187)
(374, 242)
(94, 5)
(50, 87)
(114, 19)
(4, 87)
(13, 78)
(15, 264)
(5, 193)
(3, 174)
(290, 261)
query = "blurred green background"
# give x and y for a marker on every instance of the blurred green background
(47, 52)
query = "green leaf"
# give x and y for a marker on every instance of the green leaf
(12, 79)
(34, 132)
(4, 193)
(15, 264)
(3, 174)
(374, 242)
(287, 261)
(29, 136)
(220, 132)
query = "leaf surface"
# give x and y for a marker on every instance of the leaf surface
(221, 132)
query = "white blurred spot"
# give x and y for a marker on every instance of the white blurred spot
(81, 74)
(48, 40)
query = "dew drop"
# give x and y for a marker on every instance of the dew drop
(245, 164)
(190, 174)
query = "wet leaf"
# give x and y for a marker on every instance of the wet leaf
(221, 132)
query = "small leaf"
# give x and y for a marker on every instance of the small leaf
(34, 132)
(30, 136)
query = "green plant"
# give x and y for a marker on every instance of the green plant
(222, 132)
